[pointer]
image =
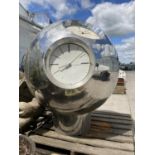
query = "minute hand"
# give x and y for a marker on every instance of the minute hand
(76, 57)
(69, 64)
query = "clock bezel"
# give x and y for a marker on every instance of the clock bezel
(52, 48)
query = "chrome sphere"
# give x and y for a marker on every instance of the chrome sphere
(74, 64)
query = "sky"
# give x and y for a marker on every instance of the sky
(117, 18)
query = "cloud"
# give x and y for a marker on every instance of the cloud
(41, 19)
(126, 50)
(59, 9)
(86, 4)
(115, 19)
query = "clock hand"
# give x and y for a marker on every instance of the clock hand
(77, 57)
(60, 70)
(71, 61)
(65, 67)
(56, 71)
(68, 66)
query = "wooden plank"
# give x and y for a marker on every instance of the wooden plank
(119, 89)
(111, 116)
(40, 151)
(72, 153)
(88, 141)
(109, 125)
(111, 137)
(115, 131)
(105, 129)
(109, 120)
(77, 147)
(111, 113)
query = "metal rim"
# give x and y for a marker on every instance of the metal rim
(51, 49)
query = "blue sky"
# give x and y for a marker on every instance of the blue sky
(116, 17)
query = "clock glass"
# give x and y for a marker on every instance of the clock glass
(69, 65)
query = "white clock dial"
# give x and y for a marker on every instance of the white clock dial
(83, 32)
(69, 64)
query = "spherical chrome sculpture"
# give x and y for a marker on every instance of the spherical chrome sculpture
(75, 64)
(75, 67)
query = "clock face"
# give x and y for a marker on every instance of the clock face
(83, 32)
(69, 64)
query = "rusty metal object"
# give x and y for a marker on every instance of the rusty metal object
(26, 145)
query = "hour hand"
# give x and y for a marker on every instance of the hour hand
(62, 68)
(66, 67)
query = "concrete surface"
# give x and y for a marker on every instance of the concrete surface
(130, 86)
(125, 103)
(116, 103)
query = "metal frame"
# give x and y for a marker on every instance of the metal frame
(52, 48)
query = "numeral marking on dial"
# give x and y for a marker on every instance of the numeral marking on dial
(68, 47)
(85, 62)
(54, 64)
(61, 50)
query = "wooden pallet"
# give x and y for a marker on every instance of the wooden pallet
(110, 134)
(119, 90)
(120, 87)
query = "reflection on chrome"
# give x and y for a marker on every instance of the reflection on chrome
(101, 72)
(93, 92)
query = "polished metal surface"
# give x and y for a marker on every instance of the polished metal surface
(27, 33)
(93, 92)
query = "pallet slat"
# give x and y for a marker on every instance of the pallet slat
(111, 137)
(111, 120)
(115, 117)
(111, 125)
(114, 131)
(80, 148)
(40, 151)
(112, 114)
(92, 142)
